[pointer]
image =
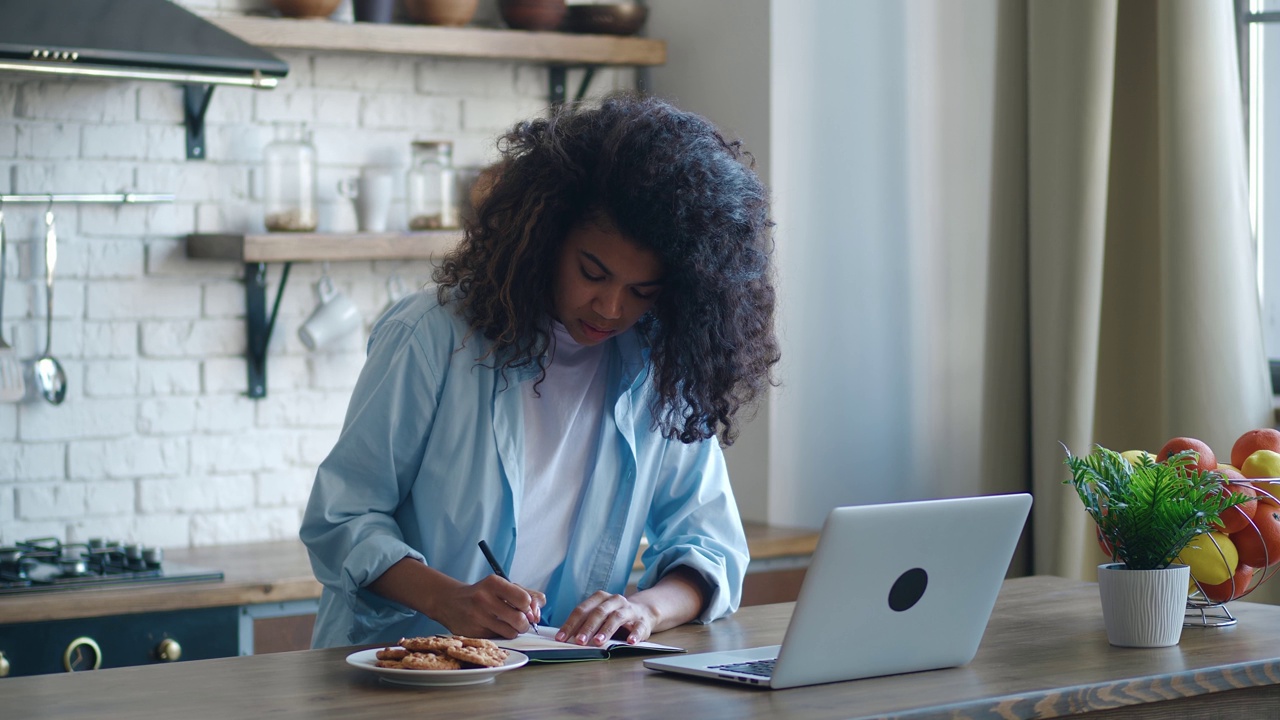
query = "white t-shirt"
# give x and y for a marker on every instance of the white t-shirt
(561, 435)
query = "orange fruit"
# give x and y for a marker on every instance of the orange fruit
(1259, 544)
(1102, 543)
(1205, 459)
(1231, 589)
(1253, 441)
(1237, 518)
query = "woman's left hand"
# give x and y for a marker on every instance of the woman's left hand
(606, 615)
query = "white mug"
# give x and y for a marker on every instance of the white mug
(334, 317)
(371, 193)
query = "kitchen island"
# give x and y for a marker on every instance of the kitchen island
(265, 603)
(1045, 654)
(277, 572)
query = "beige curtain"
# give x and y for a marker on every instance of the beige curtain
(1144, 314)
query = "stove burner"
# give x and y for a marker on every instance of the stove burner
(49, 564)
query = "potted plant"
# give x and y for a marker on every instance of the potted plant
(1146, 512)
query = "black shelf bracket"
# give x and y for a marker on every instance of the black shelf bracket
(558, 83)
(586, 82)
(195, 102)
(556, 77)
(258, 324)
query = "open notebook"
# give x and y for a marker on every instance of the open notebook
(545, 648)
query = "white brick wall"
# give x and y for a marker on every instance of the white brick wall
(156, 442)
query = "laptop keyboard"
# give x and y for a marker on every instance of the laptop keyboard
(763, 668)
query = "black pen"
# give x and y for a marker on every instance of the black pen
(497, 570)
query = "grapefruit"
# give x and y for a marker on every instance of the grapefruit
(1259, 544)
(1205, 459)
(1103, 544)
(1235, 519)
(1231, 589)
(1253, 441)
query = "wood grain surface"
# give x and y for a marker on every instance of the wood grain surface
(338, 247)
(254, 573)
(466, 42)
(1044, 655)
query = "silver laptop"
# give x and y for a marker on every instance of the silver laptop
(892, 588)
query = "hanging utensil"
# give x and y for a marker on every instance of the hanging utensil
(50, 377)
(12, 385)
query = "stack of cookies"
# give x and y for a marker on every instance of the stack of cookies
(442, 652)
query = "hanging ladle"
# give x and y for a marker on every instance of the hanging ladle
(50, 377)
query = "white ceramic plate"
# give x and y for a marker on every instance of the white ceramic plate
(367, 659)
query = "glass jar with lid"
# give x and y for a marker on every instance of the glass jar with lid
(430, 187)
(290, 184)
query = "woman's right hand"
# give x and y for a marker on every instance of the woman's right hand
(492, 607)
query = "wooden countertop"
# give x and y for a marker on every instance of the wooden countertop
(269, 572)
(1044, 655)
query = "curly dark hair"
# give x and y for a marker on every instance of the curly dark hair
(668, 181)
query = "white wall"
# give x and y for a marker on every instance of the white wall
(155, 442)
(718, 66)
(878, 119)
(817, 89)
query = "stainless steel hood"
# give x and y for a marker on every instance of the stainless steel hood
(131, 39)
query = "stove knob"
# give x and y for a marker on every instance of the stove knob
(82, 654)
(4, 665)
(169, 650)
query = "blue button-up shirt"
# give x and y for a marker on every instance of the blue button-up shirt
(430, 461)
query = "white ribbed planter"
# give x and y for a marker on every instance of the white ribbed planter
(1143, 608)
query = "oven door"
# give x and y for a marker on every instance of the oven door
(120, 640)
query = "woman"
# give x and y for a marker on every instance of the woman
(607, 314)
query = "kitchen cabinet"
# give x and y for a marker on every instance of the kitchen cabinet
(83, 644)
(266, 603)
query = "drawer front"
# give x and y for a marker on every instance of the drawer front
(120, 640)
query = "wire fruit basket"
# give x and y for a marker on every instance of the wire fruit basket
(1254, 538)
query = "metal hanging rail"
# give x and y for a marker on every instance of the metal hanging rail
(87, 198)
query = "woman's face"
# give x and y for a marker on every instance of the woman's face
(604, 283)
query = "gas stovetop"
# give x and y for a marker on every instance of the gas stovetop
(46, 564)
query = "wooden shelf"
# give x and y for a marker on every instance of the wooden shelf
(464, 42)
(317, 247)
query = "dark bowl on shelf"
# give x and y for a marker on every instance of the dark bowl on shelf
(532, 14)
(453, 13)
(306, 8)
(606, 19)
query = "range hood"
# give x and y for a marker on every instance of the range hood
(130, 39)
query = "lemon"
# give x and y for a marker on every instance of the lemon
(1135, 456)
(1212, 558)
(1261, 464)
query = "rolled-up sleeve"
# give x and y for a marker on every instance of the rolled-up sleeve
(693, 522)
(349, 526)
